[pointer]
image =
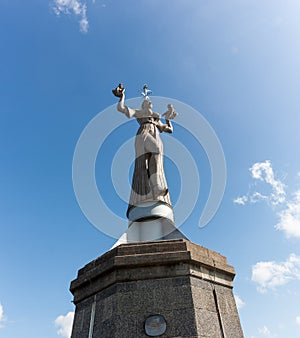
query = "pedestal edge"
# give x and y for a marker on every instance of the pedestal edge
(147, 260)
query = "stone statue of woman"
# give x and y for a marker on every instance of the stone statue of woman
(150, 212)
(149, 182)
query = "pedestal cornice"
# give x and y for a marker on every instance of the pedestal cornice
(151, 260)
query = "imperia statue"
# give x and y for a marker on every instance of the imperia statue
(149, 182)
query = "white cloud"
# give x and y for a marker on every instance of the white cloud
(239, 302)
(265, 331)
(289, 212)
(263, 171)
(84, 24)
(2, 317)
(298, 320)
(64, 324)
(102, 5)
(289, 218)
(72, 7)
(257, 197)
(242, 200)
(269, 275)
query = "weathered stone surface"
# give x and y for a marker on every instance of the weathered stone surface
(82, 319)
(189, 285)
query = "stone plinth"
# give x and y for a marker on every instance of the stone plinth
(189, 286)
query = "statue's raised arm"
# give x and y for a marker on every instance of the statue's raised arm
(120, 93)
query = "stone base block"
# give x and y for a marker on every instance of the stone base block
(170, 288)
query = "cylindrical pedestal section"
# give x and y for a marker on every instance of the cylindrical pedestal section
(150, 210)
(151, 221)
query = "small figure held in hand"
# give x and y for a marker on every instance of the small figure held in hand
(171, 113)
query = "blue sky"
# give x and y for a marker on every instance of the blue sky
(236, 62)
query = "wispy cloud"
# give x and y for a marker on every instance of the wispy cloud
(64, 324)
(241, 200)
(75, 7)
(2, 317)
(269, 275)
(289, 218)
(287, 209)
(298, 320)
(239, 303)
(265, 331)
(263, 172)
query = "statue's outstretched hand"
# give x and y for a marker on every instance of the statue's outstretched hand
(119, 91)
(171, 113)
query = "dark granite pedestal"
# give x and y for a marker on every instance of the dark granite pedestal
(184, 290)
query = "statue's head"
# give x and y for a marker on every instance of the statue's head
(147, 104)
